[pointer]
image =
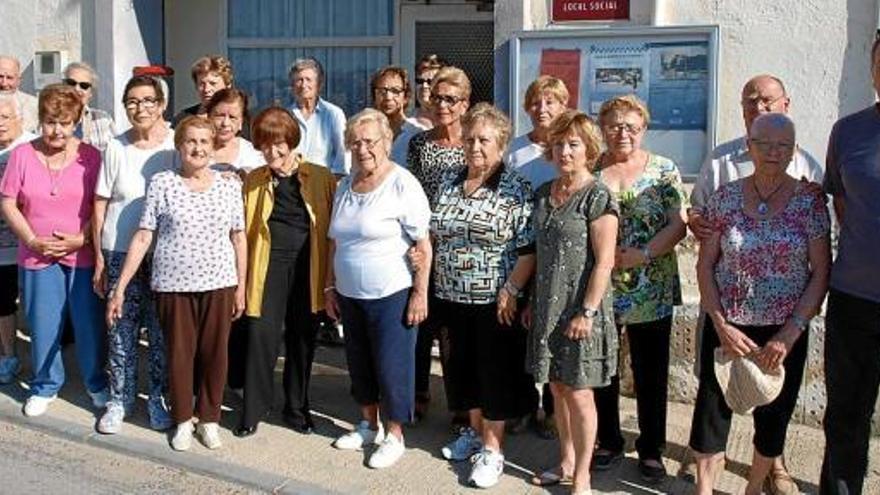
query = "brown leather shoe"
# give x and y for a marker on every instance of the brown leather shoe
(779, 482)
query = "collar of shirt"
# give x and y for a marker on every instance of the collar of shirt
(490, 183)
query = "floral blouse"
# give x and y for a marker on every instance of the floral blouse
(478, 238)
(764, 264)
(648, 292)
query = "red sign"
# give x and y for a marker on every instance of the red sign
(590, 10)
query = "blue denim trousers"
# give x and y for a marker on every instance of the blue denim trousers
(51, 295)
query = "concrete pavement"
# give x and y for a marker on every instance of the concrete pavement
(278, 460)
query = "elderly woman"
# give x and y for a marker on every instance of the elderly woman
(287, 214)
(210, 74)
(228, 111)
(762, 274)
(11, 135)
(198, 275)
(426, 69)
(47, 193)
(546, 98)
(379, 212)
(484, 257)
(391, 94)
(96, 127)
(646, 285)
(130, 161)
(573, 344)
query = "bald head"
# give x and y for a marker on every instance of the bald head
(764, 93)
(10, 74)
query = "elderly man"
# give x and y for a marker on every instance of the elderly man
(852, 337)
(96, 127)
(10, 79)
(11, 135)
(730, 161)
(321, 123)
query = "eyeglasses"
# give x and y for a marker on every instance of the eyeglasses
(761, 103)
(619, 128)
(420, 81)
(83, 85)
(148, 103)
(389, 91)
(366, 143)
(765, 146)
(449, 100)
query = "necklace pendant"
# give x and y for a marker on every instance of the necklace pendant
(763, 208)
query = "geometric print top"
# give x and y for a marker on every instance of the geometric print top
(478, 238)
(764, 265)
(192, 229)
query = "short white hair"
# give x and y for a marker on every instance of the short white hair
(14, 103)
(82, 66)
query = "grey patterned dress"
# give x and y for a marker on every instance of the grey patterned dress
(564, 263)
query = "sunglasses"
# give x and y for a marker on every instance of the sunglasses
(83, 85)
(420, 81)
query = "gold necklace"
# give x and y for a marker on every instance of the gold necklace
(55, 173)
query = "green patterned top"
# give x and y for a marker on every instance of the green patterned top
(649, 292)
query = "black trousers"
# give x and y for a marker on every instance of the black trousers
(852, 377)
(649, 354)
(285, 317)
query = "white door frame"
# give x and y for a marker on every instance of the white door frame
(411, 14)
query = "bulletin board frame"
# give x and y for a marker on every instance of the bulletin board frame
(674, 69)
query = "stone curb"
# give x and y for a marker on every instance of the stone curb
(247, 478)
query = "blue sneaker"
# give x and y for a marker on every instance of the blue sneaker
(9, 367)
(463, 447)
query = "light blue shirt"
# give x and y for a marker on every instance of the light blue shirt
(322, 140)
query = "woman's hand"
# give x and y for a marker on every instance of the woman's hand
(416, 308)
(773, 354)
(579, 327)
(526, 317)
(416, 258)
(506, 307)
(99, 278)
(733, 340)
(114, 306)
(67, 243)
(699, 226)
(331, 304)
(628, 257)
(239, 304)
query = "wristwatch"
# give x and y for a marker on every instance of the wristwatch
(511, 289)
(588, 312)
(646, 252)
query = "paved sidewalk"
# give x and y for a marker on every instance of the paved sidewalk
(279, 460)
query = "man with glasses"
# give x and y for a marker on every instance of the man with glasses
(96, 127)
(391, 93)
(321, 123)
(10, 79)
(728, 162)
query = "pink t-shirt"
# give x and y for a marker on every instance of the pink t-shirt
(61, 203)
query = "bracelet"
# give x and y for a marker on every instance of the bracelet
(29, 241)
(646, 252)
(330, 288)
(511, 289)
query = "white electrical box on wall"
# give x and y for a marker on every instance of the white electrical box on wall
(48, 66)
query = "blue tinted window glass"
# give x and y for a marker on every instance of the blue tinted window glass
(309, 18)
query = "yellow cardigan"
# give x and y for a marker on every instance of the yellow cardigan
(317, 186)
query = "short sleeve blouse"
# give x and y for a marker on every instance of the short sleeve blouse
(764, 264)
(194, 250)
(477, 238)
(430, 163)
(373, 232)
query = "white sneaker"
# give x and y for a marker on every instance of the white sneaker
(100, 399)
(182, 439)
(463, 447)
(111, 422)
(487, 468)
(37, 405)
(210, 435)
(388, 453)
(357, 438)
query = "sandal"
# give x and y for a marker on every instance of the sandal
(552, 477)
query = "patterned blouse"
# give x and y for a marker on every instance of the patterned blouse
(648, 292)
(193, 251)
(431, 163)
(764, 264)
(477, 238)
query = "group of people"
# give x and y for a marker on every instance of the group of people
(527, 259)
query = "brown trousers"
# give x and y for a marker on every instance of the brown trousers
(196, 327)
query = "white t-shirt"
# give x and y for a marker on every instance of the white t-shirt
(527, 158)
(373, 232)
(123, 180)
(400, 147)
(248, 158)
(731, 161)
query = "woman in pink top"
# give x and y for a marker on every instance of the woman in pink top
(47, 193)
